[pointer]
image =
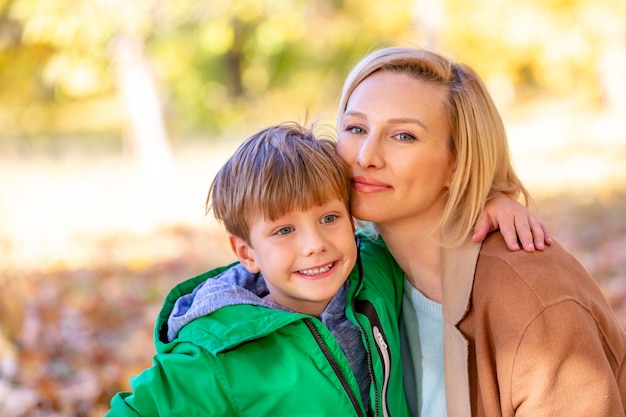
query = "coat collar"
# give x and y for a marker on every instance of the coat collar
(458, 267)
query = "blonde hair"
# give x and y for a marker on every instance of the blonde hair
(477, 143)
(277, 170)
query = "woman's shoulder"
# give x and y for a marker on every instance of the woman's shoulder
(553, 260)
(547, 277)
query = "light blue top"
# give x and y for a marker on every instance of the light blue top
(423, 321)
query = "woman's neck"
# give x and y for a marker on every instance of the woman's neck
(419, 255)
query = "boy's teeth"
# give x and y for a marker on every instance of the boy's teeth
(315, 271)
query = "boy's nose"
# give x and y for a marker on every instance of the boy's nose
(314, 243)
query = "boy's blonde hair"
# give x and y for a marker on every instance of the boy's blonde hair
(477, 143)
(277, 170)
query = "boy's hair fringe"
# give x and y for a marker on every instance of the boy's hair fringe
(279, 169)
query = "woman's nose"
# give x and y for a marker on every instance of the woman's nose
(369, 153)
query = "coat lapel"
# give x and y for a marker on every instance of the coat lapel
(458, 266)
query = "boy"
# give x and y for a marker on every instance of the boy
(298, 326)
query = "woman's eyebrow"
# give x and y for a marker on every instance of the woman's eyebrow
(355, 114)
(394, 120)
(408, 120)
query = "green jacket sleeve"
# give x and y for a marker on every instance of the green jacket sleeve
(185, 382)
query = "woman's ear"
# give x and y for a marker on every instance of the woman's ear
(244, 252)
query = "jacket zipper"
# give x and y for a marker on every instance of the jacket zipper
(333, 364)
(384, 353)
(379, 339)
(370, 365)
(366, 308)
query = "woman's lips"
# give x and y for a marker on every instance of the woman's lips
(369, 185)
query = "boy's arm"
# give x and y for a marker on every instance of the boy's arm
(181, 383)
(516, 223)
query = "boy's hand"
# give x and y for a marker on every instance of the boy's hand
(516, 223)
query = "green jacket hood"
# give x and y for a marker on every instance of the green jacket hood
(227, 308)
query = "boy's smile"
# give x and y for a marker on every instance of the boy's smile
(317, 272)
(304, 256)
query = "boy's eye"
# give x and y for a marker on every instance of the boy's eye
(284, 230)
(329, 218)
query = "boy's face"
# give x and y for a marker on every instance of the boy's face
(305, 256)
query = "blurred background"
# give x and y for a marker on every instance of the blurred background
(115, 115)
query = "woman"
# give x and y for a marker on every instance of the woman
(519, 333)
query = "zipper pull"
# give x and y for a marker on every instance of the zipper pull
(379, 337)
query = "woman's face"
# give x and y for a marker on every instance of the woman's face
(394, 136)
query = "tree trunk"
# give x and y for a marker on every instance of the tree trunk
(139, 95)
(427, 16)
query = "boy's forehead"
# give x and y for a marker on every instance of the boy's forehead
(268, 213)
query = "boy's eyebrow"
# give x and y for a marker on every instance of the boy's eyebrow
(395, 120)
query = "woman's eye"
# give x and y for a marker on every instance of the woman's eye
(355, 130)
(405, 137)
(284, 230)
(329, 218)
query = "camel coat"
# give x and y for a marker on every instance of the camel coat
(528, 334)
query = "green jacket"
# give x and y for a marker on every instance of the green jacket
(245, 360)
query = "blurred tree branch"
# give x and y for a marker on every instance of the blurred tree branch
(222, 64)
